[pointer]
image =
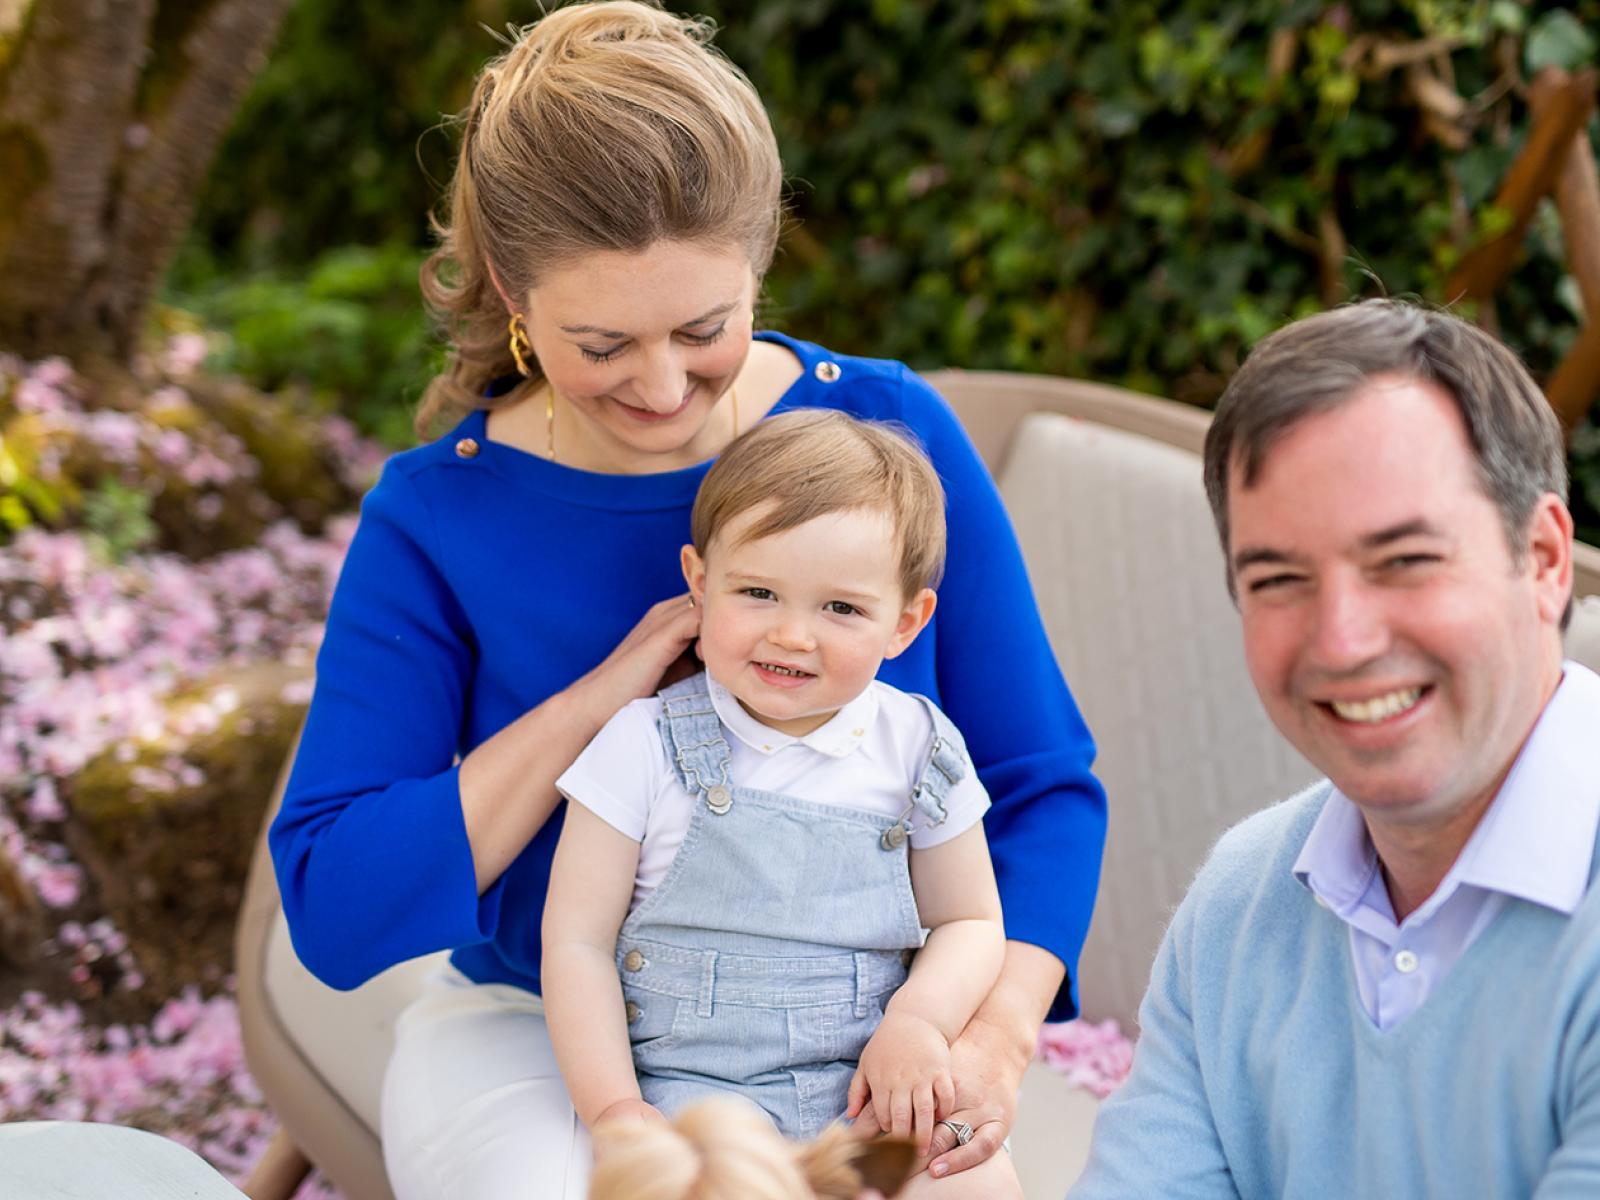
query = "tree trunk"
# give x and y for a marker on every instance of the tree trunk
(110, 114)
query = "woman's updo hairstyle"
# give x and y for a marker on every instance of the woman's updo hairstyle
(728, 1150)
(606, 126)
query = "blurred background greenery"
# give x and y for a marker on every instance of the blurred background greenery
(1130, 192)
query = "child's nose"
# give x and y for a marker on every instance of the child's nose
(792, 634)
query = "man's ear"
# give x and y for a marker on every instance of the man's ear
(694, 573)
(1549, 556)
(913, 617)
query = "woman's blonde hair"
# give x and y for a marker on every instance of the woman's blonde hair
(729, 1150)
(809, 463)
(605, 126)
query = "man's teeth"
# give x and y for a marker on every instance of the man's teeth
(1380, 708)
(777, 670)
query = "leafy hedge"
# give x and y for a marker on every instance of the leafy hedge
(1130, 192)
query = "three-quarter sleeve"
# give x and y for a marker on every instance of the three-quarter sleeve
(370, 846)
(999, 682)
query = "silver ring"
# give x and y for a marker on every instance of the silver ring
(961, 1129)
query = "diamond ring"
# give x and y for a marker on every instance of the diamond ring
(961, 1129)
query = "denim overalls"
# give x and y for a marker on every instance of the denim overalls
(761, 963)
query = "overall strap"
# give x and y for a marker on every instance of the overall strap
(692, 733)
(945, 766)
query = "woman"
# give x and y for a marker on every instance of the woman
(512, 585)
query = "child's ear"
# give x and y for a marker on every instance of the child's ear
(694, 572)
(916, 614)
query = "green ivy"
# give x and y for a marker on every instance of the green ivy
(1126, 192)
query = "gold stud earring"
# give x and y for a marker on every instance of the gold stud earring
(521, 348)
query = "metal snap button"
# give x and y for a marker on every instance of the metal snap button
(633, 961)
(631, 1011)
(719, 800)
(827, 371)
(893, 837)
(467, 448)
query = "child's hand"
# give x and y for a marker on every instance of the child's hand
(631, 1109)
(905, 1073)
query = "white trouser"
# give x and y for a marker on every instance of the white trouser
(473, 1104)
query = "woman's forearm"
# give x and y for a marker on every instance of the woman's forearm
(508, 784)
(1008, 1020)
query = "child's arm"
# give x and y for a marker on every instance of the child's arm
(591, 884)
(905, 1069)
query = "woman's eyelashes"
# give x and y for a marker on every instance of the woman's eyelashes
(693, 338)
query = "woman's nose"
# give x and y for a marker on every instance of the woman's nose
(661, 386)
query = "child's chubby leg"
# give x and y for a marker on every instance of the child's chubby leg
(993, 1179)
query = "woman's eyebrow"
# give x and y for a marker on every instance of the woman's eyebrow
(710, 314)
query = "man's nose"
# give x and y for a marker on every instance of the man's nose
(1352, 627)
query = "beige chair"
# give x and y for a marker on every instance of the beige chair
(1104, 488)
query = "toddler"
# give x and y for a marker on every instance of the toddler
(773, 880)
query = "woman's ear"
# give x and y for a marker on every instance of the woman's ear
(694, 573)
(913, 618)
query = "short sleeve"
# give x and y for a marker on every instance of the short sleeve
(964, 807)
(621, 770)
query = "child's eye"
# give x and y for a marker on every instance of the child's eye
(600, 356)
(758, 593)
(841, 608)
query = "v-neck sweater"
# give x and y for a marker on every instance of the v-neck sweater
(1258, 1074)
(482, 580)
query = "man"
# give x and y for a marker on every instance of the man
(1389, 985)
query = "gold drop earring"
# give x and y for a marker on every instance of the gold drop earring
(521, 351)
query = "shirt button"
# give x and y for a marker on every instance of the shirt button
(1405, 962)
(827, 371)
(467, 448)
(631, 1011)
(633, 961)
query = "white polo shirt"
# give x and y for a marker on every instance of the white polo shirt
(868, 757)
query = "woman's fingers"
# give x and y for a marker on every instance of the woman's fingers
(988, 1134)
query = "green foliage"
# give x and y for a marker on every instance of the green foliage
(349, 327)
(1128, 192)
(118, 519)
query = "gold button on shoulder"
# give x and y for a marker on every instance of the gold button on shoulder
(467, 448)
(827, 371)
(632, 1012)
(633, 961)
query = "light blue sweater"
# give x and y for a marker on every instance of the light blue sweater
(1259, 1076)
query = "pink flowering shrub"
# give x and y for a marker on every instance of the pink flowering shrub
(1095, 1056)
(93, 653)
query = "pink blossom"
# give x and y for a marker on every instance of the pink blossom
(184, 353)
(1093, 1056)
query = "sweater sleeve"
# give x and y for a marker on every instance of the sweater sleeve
(1574, 1169)
(1155, 1135)
(999, 683)
(370, 846)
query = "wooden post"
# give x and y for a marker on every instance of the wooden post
(1576, 382)
(1561, 104)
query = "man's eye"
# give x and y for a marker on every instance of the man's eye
(758, 593)
(1270, 583)
(1402, 562)
(841, 608)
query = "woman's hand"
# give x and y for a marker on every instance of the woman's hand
(637, 666)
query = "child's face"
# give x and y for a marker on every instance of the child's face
(796, 624)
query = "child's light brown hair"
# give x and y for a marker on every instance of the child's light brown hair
(728, 1150)
(807, 464)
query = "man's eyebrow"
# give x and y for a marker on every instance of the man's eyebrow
(1252, 556)
(617, 334)
(1416, 527)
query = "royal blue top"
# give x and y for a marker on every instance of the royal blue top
(477, 586)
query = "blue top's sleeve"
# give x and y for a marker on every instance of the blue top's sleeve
(1155, 1136)
(999, 682)
(370, 846)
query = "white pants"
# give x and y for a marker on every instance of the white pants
(473, 1104)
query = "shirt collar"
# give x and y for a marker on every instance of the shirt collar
(1535, 842)
(840, 735)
